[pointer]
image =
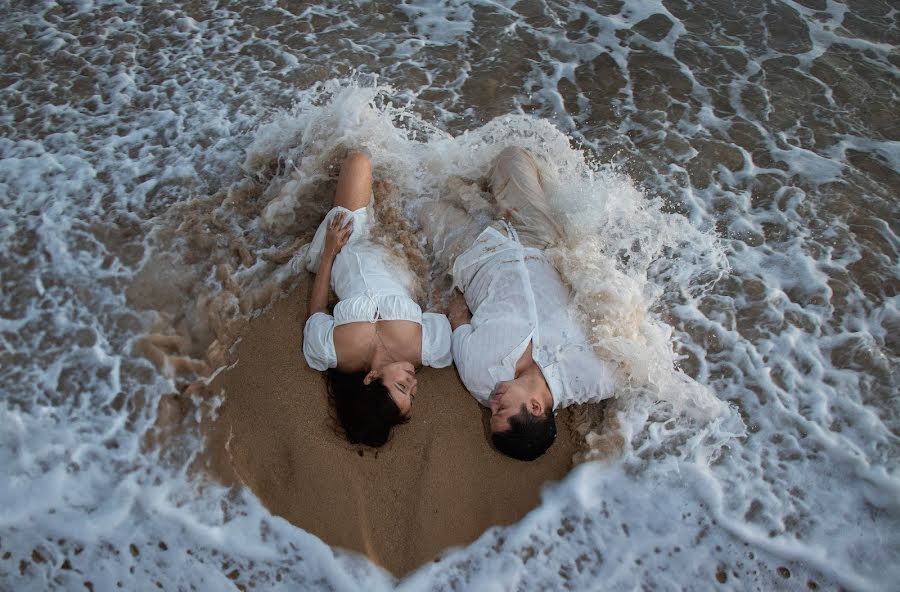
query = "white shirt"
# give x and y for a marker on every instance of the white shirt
(371, 287)
(516, 296)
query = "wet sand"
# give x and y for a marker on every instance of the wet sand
(436, 484)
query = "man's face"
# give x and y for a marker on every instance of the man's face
(505, 402)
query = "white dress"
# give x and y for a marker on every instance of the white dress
(371, 287)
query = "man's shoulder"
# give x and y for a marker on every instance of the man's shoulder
(580, 378)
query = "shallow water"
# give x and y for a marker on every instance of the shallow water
(727, 174)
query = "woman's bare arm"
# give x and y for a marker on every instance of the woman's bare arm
(335, 239)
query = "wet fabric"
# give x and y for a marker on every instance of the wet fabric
(371, 287)
(516, 186)
(515, 294)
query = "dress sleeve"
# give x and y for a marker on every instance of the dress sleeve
(436, 340)
(318, 342)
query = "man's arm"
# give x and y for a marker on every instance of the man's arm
(472, 362)
(458, 311)
(469, 357)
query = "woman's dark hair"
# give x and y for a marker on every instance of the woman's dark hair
(365, 412)
(528, 436)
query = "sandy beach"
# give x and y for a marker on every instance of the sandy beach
(436, 484)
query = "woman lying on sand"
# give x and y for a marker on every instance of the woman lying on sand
(377, 336)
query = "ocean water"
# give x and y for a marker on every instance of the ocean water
(727, 177)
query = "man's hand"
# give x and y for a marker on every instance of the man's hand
(337, 235)
(458, 312)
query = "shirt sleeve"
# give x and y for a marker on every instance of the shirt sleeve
(436, 341)
(472, 364)
(318, 342)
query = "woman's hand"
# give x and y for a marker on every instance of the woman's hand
(339, 231)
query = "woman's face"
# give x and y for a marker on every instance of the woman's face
(400, 380)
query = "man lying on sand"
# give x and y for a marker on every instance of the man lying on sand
(377, 337)
(516, 349)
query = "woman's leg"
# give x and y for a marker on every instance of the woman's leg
(354, 187)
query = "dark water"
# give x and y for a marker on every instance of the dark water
(773, 125)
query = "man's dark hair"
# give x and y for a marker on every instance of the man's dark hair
(528, 436)
(365, 412)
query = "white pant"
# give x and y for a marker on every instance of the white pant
(518, 191)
